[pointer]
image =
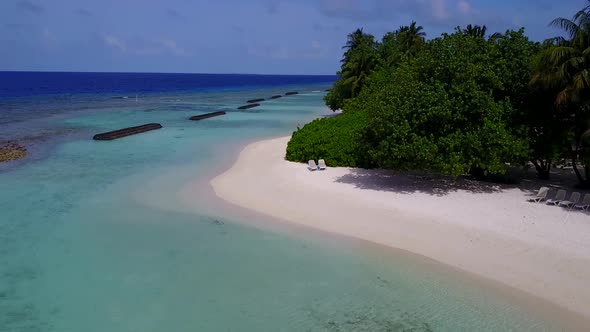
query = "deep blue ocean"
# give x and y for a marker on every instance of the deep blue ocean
(106, 236)
(26, 84)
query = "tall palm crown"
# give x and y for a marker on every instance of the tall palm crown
(358, 62)
(354, 39)
(413, 30)
(357, 70)
(475, 31)
(410, 36)
(565, 63)
(357, 40)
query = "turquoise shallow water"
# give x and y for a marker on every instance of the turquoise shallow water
(92, 239)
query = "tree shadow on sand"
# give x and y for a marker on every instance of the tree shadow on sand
(406, 182)
(439, 185)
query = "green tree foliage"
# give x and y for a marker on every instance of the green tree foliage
(512, 62)
(411, 37)
(357, 69)
(358, 62)
(565, 64)
(547, 130)
(460, 102)
(534, 115)
(363, 56)
(442, 105)
(396, 46)
(390, 50)
(356, 41)
(332, 139)
(437, 111)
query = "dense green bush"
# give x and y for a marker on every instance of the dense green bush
(430, 114)
(333, 139)
(464, 102)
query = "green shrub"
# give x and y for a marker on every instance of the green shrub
(332, 139)
(437, 111)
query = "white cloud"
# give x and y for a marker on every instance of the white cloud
(314, 51)
(115, 43)
(173, 47)
(428, 11)
(145, 47)
(464, 7)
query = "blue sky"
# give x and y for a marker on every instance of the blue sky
(231, 36)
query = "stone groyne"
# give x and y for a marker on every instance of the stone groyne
(111, 135)
(206, 116)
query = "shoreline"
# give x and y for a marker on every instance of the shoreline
(552, 270)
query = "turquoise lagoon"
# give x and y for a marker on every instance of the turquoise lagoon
(93, 237)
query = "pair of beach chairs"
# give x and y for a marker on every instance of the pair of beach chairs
(559, 199)
(320, 166)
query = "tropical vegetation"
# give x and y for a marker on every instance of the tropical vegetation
(466, 102)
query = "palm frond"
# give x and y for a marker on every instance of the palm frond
(496, 36)
(575, 63)
(564, 64)
(556, 40)
(569, 26)
(582, 15)
(581, 80)
(560, 54)
(562, 73)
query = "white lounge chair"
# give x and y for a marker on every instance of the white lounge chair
(312, 166)
(322, 164)
(541, 195)
(560, 196)
(574, 199)
(585, 204)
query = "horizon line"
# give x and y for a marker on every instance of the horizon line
(148, 72)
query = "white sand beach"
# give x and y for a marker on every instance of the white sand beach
(480, 228)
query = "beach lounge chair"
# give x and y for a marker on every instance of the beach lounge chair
(541, 195)
(585, 204)
(560, 196)
(574, 199)
(312, 166)
(322, 164)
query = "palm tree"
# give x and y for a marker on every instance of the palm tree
(495, 37)
(413, 30)
(475, 31)
(355, 40)
(358, 62)
(358, 68)
(564, 66)
(565, 63)
(411, 36)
